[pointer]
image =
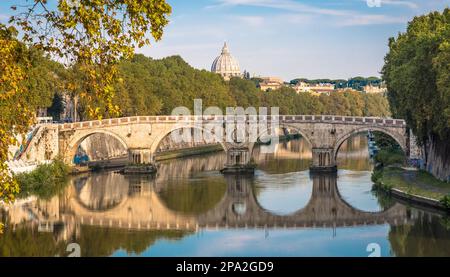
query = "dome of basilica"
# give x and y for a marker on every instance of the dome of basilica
(226, 65)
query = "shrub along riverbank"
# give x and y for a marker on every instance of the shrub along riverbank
(412, 182)
(45, 181)
(390, 174)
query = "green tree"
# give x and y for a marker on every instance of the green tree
(15, 111)
(91, 35)
(244, 92)
(417, 74)
(153, 87)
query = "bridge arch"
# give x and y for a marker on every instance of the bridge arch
(283, 125)
(400, 139)
(158, 140)
(79, 137)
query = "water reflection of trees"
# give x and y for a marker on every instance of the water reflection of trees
(185, 187)
(97, 241)
(195, 196)
(427, 236)
(26, 241)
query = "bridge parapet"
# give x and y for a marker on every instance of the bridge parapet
(325, 133)
(387, 122)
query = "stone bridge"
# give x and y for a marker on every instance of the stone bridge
(142, 135)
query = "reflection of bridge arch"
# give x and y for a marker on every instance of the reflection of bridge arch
(78, 138)
(399, 138)
(87, 189)
(157, 187)
(146, 210)
(325, 208)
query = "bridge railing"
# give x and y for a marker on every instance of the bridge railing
(248, 118)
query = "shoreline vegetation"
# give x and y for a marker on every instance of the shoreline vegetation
(45, 181)
(413, 185)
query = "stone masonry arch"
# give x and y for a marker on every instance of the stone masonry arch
(80, 136)
(303, 133)
(163, 134)
(141, 136)
(395, 134)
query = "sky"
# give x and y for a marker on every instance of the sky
(285, 38)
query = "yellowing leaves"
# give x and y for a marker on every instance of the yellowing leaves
(90, 35)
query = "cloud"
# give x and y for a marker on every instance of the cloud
(380, 3)
(408, 4)
(254, 21)
(288, 5)
(305, 12)
(359, 20)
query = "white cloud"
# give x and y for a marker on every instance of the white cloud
(281, 5)
(253, 21)
(379, 3)
(305, 12)
(408, 4)
(359, 20)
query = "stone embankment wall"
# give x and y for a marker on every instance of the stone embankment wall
(438, 159)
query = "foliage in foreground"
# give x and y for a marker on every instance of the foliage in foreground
(417, 73)
(445, 201)
(89, 36)
(45, 181)
(387, 157)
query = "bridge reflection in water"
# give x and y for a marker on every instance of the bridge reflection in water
(134, 203)
(106, 212)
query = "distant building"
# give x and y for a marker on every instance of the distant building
(374, 89)
(271, 83)
(226, 65)
(315, 89)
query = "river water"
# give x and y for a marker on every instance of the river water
(190, 209)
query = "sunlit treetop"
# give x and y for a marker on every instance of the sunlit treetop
(94, 35)
(98, 31)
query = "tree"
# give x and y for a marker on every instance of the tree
(57, 107)
(244, 92)
(94, 35)
(91, 35)
(417, 74)
(16, 116)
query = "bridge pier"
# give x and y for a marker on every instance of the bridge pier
(323, 160)
(238, 161)
(140, 161)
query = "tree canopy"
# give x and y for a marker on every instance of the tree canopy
(417, 73)
(89, 36)
(155, 87)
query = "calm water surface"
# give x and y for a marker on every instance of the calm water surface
(190, 209)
